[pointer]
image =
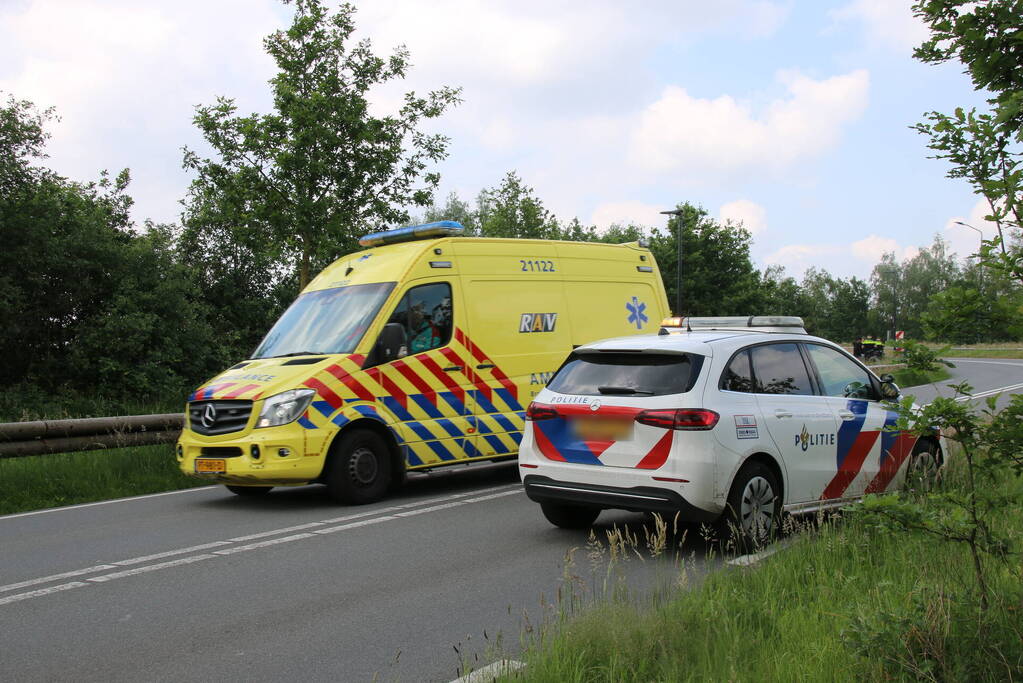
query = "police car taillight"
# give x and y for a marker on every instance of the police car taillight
(540, 411)
(688, 419)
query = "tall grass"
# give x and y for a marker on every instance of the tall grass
(44, 481)
(841, 603)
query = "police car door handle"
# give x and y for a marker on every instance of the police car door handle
(453, 368)
(846, 415)
(484, 366)
(779, 413)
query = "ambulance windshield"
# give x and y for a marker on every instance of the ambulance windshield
(325, 321)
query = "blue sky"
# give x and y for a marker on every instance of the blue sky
(791, 116)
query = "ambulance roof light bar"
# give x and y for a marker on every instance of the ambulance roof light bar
(413, 232)
(753, 323)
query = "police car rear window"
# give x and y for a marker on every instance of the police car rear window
(626, 374)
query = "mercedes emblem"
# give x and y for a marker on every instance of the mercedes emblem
(209, 415)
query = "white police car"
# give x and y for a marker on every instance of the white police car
(719, 419)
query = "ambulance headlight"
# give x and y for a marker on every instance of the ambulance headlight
(285, 407)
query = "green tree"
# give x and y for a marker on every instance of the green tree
(982, 147)
(311, 176)
(718, 276)
(831, 307)
(512, 209)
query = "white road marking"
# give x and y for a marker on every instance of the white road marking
(55, 577)
(228, 548)
(491, 672)
(171, 553)
(274, 532)
(747, 560)
(105, 502)
(261, 544)
(41, 592)
(355, 525)
(989, 362)
(150, 568)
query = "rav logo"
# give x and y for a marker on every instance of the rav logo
(537, 322)
(805, 439)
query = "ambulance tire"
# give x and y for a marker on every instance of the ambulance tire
(570, 516)
(753, 512)
(248, 491)
(359, 468)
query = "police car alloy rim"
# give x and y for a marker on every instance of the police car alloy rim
(756, 511)
(362, 466)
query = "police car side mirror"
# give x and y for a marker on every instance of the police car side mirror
(889, 389)
(391, 344)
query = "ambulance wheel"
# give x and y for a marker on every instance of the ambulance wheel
(359, 468)
(924, 470)
(753, 512)
(248, 491)
(570, 516)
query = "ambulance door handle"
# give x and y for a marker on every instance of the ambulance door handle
(846, 415)
(779, 413)
(484, 366)
(453, 368)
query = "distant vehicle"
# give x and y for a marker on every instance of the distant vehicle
(420, 351)
(717, 420)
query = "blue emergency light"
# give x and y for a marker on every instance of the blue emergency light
(413, 232)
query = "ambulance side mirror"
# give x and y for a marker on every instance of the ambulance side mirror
(391, 344)
(889, 389)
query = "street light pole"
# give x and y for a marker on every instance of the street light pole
(980, 269)
(678, 284)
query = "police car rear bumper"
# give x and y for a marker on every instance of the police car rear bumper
(636, 499)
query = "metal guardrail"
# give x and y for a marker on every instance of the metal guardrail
(39, 437)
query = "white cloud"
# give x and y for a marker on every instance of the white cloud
(751, 215)
(840, 260)
(628, 212)
(693, 137)
(965, 241)
(887, 22)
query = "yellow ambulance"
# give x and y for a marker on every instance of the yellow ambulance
(423, 350)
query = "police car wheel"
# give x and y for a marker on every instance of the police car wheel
(248, 491)
(570, 516)
(754, 507)
(924, 470)
(359, 468)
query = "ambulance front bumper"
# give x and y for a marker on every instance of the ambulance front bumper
(271, 457)
(542, 489)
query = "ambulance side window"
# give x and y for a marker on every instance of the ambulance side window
(737, 376)
(426, 314)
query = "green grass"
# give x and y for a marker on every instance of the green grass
(828, 608)
(905, 377)
(44, 481)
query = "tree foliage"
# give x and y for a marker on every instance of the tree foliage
(322, 168)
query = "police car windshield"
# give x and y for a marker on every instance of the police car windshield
(643, 374)
(325, 321)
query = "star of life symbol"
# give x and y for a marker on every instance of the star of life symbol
(636, 314)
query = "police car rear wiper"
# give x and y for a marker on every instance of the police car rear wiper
(622, 390)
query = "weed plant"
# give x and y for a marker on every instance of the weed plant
(841, 602)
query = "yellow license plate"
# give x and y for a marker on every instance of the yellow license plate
(211, 465)
(603, 429)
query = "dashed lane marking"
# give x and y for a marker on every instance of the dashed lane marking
(231, 546)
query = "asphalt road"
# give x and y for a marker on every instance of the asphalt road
(202, 585)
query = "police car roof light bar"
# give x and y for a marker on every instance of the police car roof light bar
(760, 323)
(413, 232)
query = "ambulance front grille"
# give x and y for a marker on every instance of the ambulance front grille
(212, 418)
